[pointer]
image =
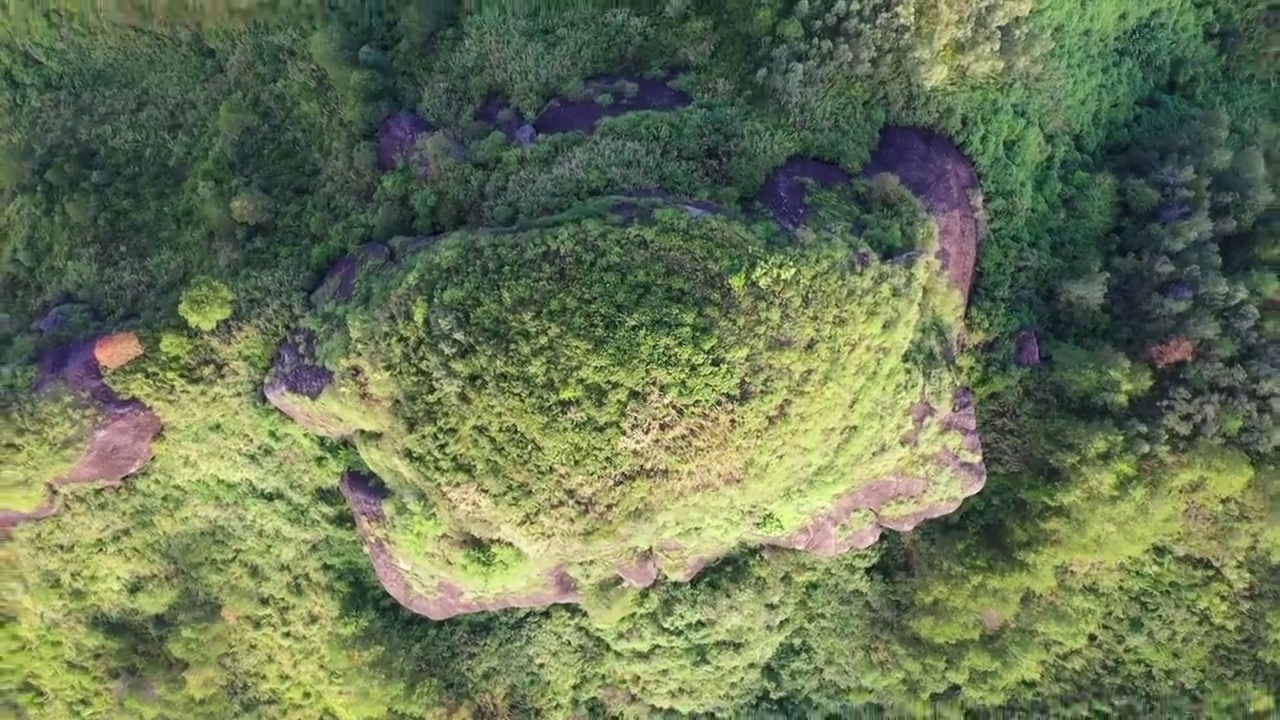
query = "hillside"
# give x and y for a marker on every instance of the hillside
(552, 408)
(498, 359)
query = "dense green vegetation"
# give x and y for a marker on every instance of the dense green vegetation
(1124, 555)
(581, 393)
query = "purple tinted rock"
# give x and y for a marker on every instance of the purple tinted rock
(939, 175)
(296, 371)
(398, 138)
(75, 366)
(500, 114)
(526, 136)
(784, 191)
(584, 114)
(1026, 349)
(341, 280)
(927, 163)
(1181, 291)
(56, 319)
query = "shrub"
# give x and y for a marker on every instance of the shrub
(205, 303)
(251, 207)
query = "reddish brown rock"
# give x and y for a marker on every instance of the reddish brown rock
(118, 447)
(640, 573)
(845, 525)
(122, 439)
(448, 600)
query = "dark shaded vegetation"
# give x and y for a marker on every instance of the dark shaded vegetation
(1123, 558)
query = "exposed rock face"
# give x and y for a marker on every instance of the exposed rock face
(398, 138)
(449, 599)
(361, 263)
(503, 117)
(296, 378)
(118, 448)
(855, 520)
(938, 174)
(784, 191)
(628, 93)
(640, 573)
(942, 178)
(898, 500)
(121, 440)
(927, 164)
(584, 111)
(1026, 349)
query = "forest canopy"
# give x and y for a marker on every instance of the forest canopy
(188, 176)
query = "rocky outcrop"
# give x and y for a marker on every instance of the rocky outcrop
(946, 468)
(583, 111)
(399, 140)
(608, 97)
(928, 164)
(937, 174)
(120, 441)
(855, 520)
(1026, 349)
(448, 599)
(297, 379)
(784, 192)
(639, 573)
(942, 178)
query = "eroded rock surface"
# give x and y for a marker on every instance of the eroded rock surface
(448, 599)
(398, 138)
(640, 573)
(297, 379)
(855, 520)
(784, 191)
(122, 437)
(1026, 349)
(928, 164)
(600, 98)
(629, 93)
(942, 178)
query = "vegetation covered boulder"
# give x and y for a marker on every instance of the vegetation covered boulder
(73, 429)
(550, 413)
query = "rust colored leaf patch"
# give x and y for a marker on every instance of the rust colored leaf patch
(1172, 351)
(118, 350)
